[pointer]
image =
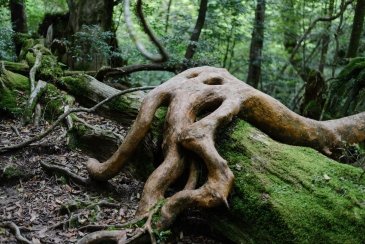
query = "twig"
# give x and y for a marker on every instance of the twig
(16, 131)
(119, 226)
(72, 110)
(128, 20)
(59, 169)
(15, 228)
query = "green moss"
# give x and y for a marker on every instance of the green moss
(77, 84)
(13, 95)
(50, 68)
(11, 171)
(287, 194)
(54, 101)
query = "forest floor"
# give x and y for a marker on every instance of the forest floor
(49, 208)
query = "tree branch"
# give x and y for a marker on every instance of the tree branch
(127, 16)
(108, 71)
(65, 114)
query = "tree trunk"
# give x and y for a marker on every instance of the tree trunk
(197, 30)
(90, 12)
(18, 20)
(257, 42)
(88, 91)
(326, 37)
(356, 29)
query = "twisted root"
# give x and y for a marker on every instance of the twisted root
(199, 101)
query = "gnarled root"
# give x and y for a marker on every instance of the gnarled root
(199, 101)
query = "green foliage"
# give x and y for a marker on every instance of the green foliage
(91, 44)
(7, 49)
(348, 90)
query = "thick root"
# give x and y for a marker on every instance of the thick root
(200, 100)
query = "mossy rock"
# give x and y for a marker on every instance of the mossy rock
(288, 194)
(13, 95)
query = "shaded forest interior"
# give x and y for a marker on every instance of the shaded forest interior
(167, 121)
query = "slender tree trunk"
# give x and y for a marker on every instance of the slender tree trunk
(326, 38)
(356, 29)
(197, 30)
(18, 16)
(257, 42)
(18, 20)
(90, 12)
(168, 16)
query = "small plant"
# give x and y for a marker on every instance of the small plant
(91, 44)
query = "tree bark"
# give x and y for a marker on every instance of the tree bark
(356, 29)
(90, 12)
(18, 20)
(257, 42)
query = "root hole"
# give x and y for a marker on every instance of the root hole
(192, 75)
(214, 81)
(208, 108)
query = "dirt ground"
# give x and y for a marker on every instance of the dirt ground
(50, 208)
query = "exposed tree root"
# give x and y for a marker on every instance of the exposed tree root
(15, 228)
(199, 101)
(64, 171)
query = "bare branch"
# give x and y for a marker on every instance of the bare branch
(107, 71)
(65, 114)
(33, 70)
(127, 16)
(168, 16)
(197, 30)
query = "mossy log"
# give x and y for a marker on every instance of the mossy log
(89, 91)
(287, 194)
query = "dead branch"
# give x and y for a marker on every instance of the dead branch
(64, 115)
(110, 72)
(15, 228)
(197, 30)
(128, 20)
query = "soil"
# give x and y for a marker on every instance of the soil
(50, 208)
